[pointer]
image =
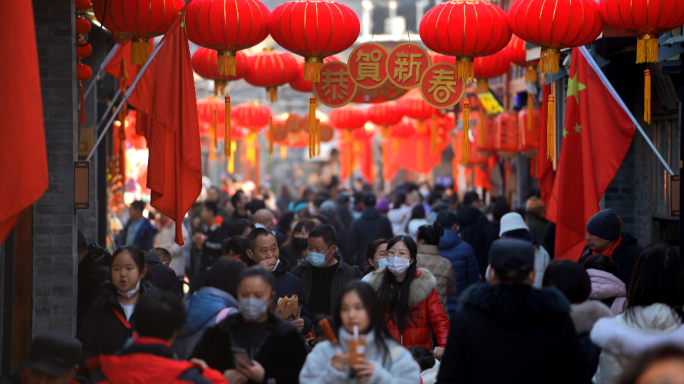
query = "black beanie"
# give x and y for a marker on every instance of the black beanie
(605, 224)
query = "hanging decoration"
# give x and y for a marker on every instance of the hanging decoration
(252, 115)
(484, 32)
(487, 140)
(271, 69)
(336, 87)
(508, 139)
(406, 65)
(83, 49)
(489, 67)
(227, 27)
(556, 24)
(368, 65)
(417, 108)
(139, 20)
(299, 83)
(475, 156)
(518, 53)
(529, 133)
(314, 29)
(204, 63)
(385, 115)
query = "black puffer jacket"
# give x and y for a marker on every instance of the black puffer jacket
(511, 333)
(164, 277)
(477, 231)
(625, 256)
(93, 270)
(371, 226)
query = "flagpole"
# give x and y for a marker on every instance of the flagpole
(617, 97)
(126, 96)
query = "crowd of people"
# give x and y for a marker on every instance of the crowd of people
(337, 286)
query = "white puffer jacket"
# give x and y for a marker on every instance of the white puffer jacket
(623, 338)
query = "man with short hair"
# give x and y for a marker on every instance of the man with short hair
(372, 225)
(53, 359)
(239, 201)
(604, 236)
(158, 318)
(323, 275)
(138, 231)
(509, 331)
(210, 242)
(475, 229)
(262, 250)
(263, 218)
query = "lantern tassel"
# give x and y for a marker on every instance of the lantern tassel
(433, 135)
(549, 59)
(312, 124)
(231, 161)
(83, 120)
(229, 139)
(551, 129)
(226, 63)
(482, 86)
(465, 69)
(140, 51)
(466, 131)
(312, 69)
(530, 104)
(647, 49)
(318, 137)
(530, 74)
(272, 94)
(270, 135)
(215, 129)
(647, 96)
(283, 152)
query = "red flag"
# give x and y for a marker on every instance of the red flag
(596, 136)
(166, 93)
(544, 166)
(112, 63)
(24, 173)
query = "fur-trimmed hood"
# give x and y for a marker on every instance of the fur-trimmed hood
(516, 305)
(585, 315)
(423, 283)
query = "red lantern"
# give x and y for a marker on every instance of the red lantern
(518, 53)
(252, 115)
(227, 27)
(484, 31)
(475, 156)
(486, 140)
(120, 39)
(271, 69)
(366, 133)
(299, 83)
(138, 20)
(529, 133)
(314, 29)
(204, 62)
(556, 24)
(416, 108)
(348, 117)
(491, 66)
(507, 137)
(403, 129)
(384, 115)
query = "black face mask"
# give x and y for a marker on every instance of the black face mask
(300, 244)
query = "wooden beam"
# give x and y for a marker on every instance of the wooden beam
(23, 288)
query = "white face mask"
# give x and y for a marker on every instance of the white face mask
(397, 265)
(130, 293)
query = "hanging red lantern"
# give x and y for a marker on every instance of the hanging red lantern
(486, 142)
(320, 116)
(271, 69)
(314, 29)
(253, 115)
(384, 115)
(138, 20)
(405, 128)
(475, 156)
(367, 133)
(204, 63)
(415, 107)
(488, 67)
(349, 117)
(508, 139)
(227, 27)
(120, 39)
(83, 49)
(529, 133)
(485, 31)
(518, 53)
(555, 25)
(299, 83)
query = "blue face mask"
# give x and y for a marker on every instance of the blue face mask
(382, 263)
(316, 259)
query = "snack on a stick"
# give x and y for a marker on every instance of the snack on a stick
(288, 302)
(327, 329)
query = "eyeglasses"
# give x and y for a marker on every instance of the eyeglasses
(401, 253)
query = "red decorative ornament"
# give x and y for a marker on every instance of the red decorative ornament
(439, 86)
(138, 20)
(349, 117)
(488, 67)
(483, 30)
(204, 62)
(314, 29)
(439, 58)
(384, 115)
(83, 49)
(486, 139)
(475, 156)
(529, 127)
(416, 108)
(403, 129)
(336, 88)
(406, 65)
(518, 53)
(556, 24)
(252, 115)
(368, 65)
(299, 83)
(367, 133)
(508, 139)
(271, 69)
(227, 27)
(120, 39)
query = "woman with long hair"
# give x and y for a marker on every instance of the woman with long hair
(384, 360)
(376, 255)
(408, 297)
(653, 315)
(294, 250)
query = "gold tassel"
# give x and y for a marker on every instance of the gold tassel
(312, 69)
(551, 130)
(231, 159)
(385, 132)
(482, 86)
(140, 51)
(466, 130)
(270, 135)
(226, 63)
(229, 136)
(465, 69)
(212, 153)
(530, 104)
(272, 94)
(530, 74)
(647, 49)
(283, 152)
(318, 137)
(647, 96)
(215, 129)
(219, 87)
(433, 135)
(548, 62)
(312, 125)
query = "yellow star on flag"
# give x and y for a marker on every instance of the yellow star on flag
(578, 128)
(574, 87)
(565, 132)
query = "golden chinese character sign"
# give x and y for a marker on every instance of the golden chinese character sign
(368, 65)
(406, 64)
(336, 87)
(439, 86)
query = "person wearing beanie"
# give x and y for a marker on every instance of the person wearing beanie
(370, 226)
(535, 211)
(510, 332)
(475, 229)
(604, 236)
(53, 358)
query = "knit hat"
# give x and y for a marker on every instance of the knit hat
(382, 205)
(511, 222)
(605, 224)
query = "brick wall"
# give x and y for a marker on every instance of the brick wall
(54, 221)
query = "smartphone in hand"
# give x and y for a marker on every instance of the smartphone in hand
(241, 356)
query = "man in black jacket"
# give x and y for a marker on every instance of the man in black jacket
(93, 270)
(510, 332)
(372, 225)
(262, 250)
(211, 242)
(323, 275)
(475, 229)
(239, 201)
(604, 236)
(164, 277)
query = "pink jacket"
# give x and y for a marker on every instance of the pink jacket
(605, 285)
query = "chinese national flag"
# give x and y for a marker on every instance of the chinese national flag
(24, 171)
(166, 93)
(544, 166)
(596, 136)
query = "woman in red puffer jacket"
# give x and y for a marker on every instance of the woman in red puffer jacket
(408, 295)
